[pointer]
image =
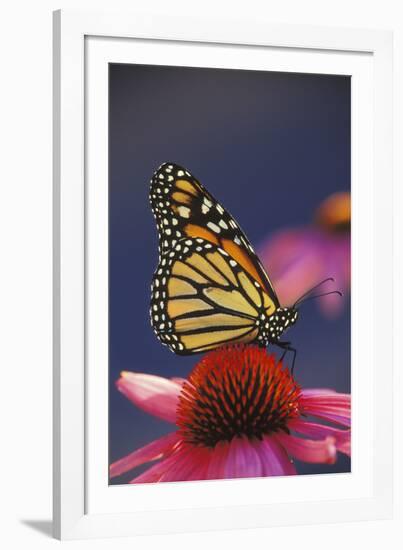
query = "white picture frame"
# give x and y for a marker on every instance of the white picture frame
(84, 506)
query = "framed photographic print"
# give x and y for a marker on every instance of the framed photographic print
(223, 300)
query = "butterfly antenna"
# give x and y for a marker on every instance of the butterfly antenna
(312, 289)
(320, 295)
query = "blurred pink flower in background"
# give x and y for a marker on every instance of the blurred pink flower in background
(297, 259)
(239, 414)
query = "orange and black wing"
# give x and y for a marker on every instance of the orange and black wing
(202, 298)
(183, 208)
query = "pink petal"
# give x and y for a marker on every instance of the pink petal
(300, 258)
(333, 305)
(156, 472)
(335, 418)
(342, 400)
(154, 450)
(343, 420)
(326, 396)
(298, 278)
(345, 446)
(295, 260)
(200, 470)
(317, 391)
(242, 460)
(154, 394)
(178, 468)
(191, 464)
(178, 380)
(307, 450)
(319, 431)
(330, 406)
(218, 461)
(275, 460)
(188, 463)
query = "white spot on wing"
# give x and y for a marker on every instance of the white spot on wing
(214, 227)
(184, 211)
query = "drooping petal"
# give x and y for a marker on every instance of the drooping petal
(332, 406)
(201, 467)
(156, 395)
(275, 460)
(345, 446)
(190, 464)
(242, 460)
(319, 431)
(218, 461)
(336, 418)
(156, 472)
(154, 450)
(308, 450)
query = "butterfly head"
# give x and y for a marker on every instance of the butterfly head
(281, 320)
(284, 317)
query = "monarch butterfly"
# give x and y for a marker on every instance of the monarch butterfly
(210, 288)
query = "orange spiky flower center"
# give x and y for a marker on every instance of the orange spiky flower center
(236, 391)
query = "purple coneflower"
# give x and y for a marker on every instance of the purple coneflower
(239, 414)
(297, 259)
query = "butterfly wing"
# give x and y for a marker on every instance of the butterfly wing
(202, 298)
(183, 208)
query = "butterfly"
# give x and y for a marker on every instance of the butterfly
(210, 288)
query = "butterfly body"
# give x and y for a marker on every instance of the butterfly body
(209, 288)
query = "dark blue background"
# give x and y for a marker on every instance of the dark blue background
(269, 146)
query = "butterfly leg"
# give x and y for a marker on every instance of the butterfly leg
(286, 346)
(294, 352)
